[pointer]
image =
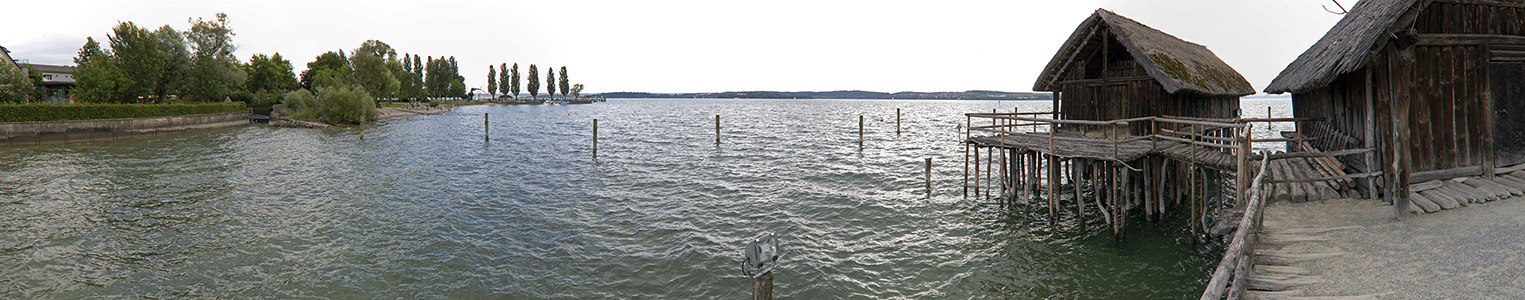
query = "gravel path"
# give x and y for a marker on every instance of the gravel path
(1477, 252)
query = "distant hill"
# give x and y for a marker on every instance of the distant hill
(965, 95)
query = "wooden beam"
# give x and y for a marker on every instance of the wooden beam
(1327, 178)
(1437, 39)
(1446, 174)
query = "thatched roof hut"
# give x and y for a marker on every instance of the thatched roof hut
(1442, 80)
(1113, 67)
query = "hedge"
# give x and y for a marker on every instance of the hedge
(51, 112)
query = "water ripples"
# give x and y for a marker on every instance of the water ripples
(425, 207)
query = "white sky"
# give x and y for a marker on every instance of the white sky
(702, 46)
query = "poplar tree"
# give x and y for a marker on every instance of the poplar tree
(565, 87)
(513, 81)
(492, 81)
(534, 83)
(550, 83)
(503, 78)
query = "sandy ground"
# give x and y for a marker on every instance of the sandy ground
(1476, 252)
(392, 112)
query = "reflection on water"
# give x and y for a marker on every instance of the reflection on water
(424, 207)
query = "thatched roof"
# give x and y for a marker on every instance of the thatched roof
(1367, 26)
(1178, 65)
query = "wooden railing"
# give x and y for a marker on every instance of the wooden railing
(1237, 258)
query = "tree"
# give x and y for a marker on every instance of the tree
(534, 83)
(271, 74)
(332, 61)
(492, 81)
(14, 86)
(576, 90)
(371, 74)
(97, 78)
(345, 105)
(376, 48)
(213, 68)
(457, 89)
(513, 81)
(137, 53)
(565, 88)
(177, 62)
(550, 83)
(503, 78)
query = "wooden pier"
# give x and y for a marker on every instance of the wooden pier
(1180, 165)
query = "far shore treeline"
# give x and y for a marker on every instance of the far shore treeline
(966, 95)
(138, 65)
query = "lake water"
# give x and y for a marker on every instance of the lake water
(424, 207)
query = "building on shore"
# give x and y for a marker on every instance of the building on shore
(1113, 67)
(57, 80)
(1437, 88)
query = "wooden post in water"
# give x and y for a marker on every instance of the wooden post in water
(1053, 200)
(860, 131)
(595, 137)
(762, 286)
(717, 130)
(897, 121)
(485, 136)
(929, 178)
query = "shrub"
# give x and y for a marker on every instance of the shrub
(50, 112)
(300, 104)
(345, 105)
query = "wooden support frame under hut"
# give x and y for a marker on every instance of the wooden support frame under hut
(1436, 88)
(1136, 112)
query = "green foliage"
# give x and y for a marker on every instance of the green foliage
(371, 72)
(331, 78)
(576, 89)
(333, 61)
(458, 90)
(376, 48)
(550, 83)
(300, 104)
(49, 112)
(177, 62)
(513, 81)
(345, 105)
(492, 81)
(213, 68)
(14, 86)
(334, 105)
(272, 73)
(503, 79)
(534, 82)
(439, 75)
(98, 79)
(565, 87)
(136, 53)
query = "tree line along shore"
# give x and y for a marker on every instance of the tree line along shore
(196, 66)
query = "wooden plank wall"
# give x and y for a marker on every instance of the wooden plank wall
(1447, 87)
(1129, 92)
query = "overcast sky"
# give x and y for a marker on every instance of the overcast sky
(702, 46)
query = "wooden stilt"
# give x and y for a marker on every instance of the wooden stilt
(1005, 180)
(1080, 203)
(966, 171)
(1053, 202)
(977, 172)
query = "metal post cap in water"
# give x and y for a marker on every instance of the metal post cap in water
(762, 251)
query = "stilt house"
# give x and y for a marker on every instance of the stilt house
(1437, 87)
(1113, 67)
